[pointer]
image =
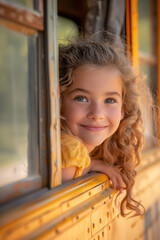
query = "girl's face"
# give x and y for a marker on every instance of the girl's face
(92, 106)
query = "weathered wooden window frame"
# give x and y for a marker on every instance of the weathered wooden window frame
(18, 19)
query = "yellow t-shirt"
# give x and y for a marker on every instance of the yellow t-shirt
(74, 153)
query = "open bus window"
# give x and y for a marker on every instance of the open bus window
(147, 51)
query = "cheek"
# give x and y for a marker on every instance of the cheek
(72, 112)
(67, 113)
(115, 114)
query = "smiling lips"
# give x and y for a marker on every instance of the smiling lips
(93, 128)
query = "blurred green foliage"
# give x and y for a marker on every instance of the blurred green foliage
(67, 30)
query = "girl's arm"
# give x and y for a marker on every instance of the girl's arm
(68, 173)
(112, 172)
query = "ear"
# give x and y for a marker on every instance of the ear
(122, 113)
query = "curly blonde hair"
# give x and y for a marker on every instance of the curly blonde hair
(124, 146)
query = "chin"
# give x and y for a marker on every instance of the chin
(94, 144)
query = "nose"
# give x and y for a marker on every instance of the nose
(96, 112)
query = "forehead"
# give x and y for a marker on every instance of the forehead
(93, 76)
(88, 68)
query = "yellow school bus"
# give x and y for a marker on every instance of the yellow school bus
(34, 204)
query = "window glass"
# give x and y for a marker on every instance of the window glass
(144, 24)
(18, 107)
(67, 29)
(147, 42)
(24, 3)
(151, 77)
(147, 48)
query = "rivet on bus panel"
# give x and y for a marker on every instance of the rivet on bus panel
(57, 231)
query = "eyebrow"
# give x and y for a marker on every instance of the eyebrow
(86, 91)
(79, 89)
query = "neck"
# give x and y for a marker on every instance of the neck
(89, 147)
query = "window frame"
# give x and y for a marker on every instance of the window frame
(21, 15)
(54, 94)
(30, 184)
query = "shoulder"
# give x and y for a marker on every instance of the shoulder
(74, 154)
(71, 147)
(71, 142)
(66, 137)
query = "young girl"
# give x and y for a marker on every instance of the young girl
(101, 117)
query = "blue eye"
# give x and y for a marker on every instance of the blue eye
(80, 99)
(110, 100)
